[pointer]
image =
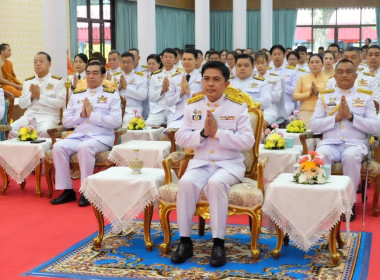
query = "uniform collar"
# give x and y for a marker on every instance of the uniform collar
(95, 90)
(43, 78)
(347, 91)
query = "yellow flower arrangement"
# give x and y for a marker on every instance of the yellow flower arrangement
(296, 124)
(27, 133)
(137, 122)
(273, 138)
(310, 170)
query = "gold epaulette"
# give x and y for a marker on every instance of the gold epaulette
(176, 73)
(365, 91)
(327, 91)
(290, 67)
(195, 98)
(259, 78)
(56, 77)
(239, 97)
(109, 90)
(300, 69)
(158, 71)
(273, 74)
(29, 78)
(144, 66)
(116, 73)
(331, 76)
(369, 74)
(360, 69)
(139, 73)
(179, 68)
(231, 77)
(269, 67)
(79, 91)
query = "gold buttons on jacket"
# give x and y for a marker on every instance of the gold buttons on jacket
(212, 151)
(342, 137)
(212, 137)
(86, 131)
(212, 161)
(87, 121)
(212, 110)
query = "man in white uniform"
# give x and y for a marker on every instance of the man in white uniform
(114, 64)
(94, 113)
(345, 115)
(43, 96)
(218, 128)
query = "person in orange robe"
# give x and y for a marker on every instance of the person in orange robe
(8, 79)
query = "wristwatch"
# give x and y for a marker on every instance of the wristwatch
(352, 118)
(203, 133)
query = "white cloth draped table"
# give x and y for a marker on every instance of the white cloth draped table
(20, 158)
(150, 152)
(120, 196)
(151, 134)
(307, 212)
(279, 161)
(311, 143)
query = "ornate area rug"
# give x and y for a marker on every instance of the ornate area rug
(124, 257)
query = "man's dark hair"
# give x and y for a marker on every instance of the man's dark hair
(199, 52)
(344, 60)
(128, 54)
(134, 49)
(192, 51)
(171, 51)
(352, 49)
(369, 40)
(374, 47)
(301, 49)
(321, 48)
(217, 65)
(94, 62)
(82, 56)
(114, 51)
(288, 49)
(334, 46)
(47, 55)
(214, 52)
(296, 54)
(364, 47)
(244, 56)
(280, 47)
(3, 46)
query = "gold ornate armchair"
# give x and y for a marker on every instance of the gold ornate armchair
(246, 197)
(101, 159)
(5, 122)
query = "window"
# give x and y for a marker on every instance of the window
(343, 26)
(95, 24)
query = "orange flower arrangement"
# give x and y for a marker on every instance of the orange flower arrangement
(311, 170)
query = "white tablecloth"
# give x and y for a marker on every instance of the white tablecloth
(307, 212)
(120, 196)
(20, 158)
(150, 152)
(311, 143)
(279, 161)
(151, 134)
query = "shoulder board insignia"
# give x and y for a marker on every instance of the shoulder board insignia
(29, 78)
(332, 76)
(369, 74)
(144, 66)
(300, 69)
(269, 67)
(195, 98)
(179, 68)
(56, 77)
(139, 73)
(158, 71)
(79, 91)
(109, 90)
(365, 91)
(231, 77)
(360, 69)
(176, 73)
(259, 78)
(290, 67)
(273, 74)
(327, 91)
(236, 95)
(116, 73)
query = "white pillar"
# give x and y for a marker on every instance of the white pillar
(266, 23)
(202, 25)
(54, 35)
(239, 24)
(146, 28)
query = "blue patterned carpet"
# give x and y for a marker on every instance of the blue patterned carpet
(125, 257)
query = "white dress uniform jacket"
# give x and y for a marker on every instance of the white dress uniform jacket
(173, 96)
(46, 110)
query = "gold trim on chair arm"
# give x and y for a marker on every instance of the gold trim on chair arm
(56, 132)
(118, 132)
(262, 161)
(307, 135)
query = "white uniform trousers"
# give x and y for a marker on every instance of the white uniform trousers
(86, 148)
(350, 156)
(156, 119)
(43, 124)
(217, 183)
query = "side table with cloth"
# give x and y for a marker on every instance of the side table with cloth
(279, 161)
(150, 152)
(149, 133)
(311, 143)
(120, 196)
(307, 212)
(19, 158)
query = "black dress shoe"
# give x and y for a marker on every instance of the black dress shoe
(183, 252)
(66, 196)
(218, 255)
(83, 202)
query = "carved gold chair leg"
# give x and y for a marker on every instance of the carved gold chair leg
(5, 180)
(148, 214)
(280, 239)
(255, 232)
(335, 256)
(38, 179)
(99, 217)
(339, 238)
(375, 208)
(165, 225)
(49, 169)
